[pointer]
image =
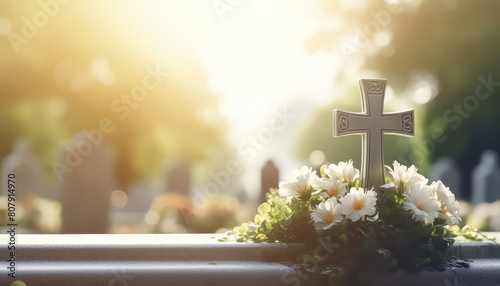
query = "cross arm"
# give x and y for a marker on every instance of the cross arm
(345, 123)
(399, 123)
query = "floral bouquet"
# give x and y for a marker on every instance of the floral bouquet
(351, 233)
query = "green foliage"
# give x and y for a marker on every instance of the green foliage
(439, 46)
(277, 220)
(471, 233)
(353, 252)
(51, 88)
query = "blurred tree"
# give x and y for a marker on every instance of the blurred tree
(81, 63)
(454, 42)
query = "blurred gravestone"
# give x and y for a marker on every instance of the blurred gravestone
(445, 170)
(269, 179)
(87, 188)
(486, 179)
(242, 196)
(178, 178)
(27, 168)
(140, 198)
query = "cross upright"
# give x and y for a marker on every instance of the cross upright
(372, 123)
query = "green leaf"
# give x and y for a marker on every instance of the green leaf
(343, 238)
(264, 208)
(428, 246)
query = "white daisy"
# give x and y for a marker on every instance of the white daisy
(408, 176)
(332, 187)
(298, 183)
(423, 204)
(343, 172)
(327, 214)
(450, 208)
(357, 204)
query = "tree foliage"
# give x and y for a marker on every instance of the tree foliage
(86, 59)
(454, 41)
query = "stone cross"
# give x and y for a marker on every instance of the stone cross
(371, 123)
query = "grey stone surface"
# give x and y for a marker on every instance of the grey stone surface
(372, 123)
(486, 179)
(178, 178)
(140, 198)
(161, 259)
(86, 190)
(447, 171)
(269, 178)
(27, 168)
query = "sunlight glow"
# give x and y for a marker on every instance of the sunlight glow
(256, 57)
(4, 26)
(119, 199)
(424, 87)
(317, 157)
(102, 72)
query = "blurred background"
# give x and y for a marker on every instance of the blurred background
(178, 116)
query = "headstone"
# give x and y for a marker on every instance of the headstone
(27, 168)
(486, 179)
(242, 195)
(269, 179)
(140, 198)
(86, 190)
(178, 178)
(445, 170)
(372, 123)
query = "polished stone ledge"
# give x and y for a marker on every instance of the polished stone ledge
(200, 259)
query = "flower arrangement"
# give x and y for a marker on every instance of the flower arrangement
(351, 233)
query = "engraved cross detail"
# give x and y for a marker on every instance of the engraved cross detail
(372, 123)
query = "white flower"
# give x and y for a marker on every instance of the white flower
(327, 214)
(408, 176)
(423, 204)
(357, 204)
(449, 206)
(343, 172)
(298, 183)
(332, 187)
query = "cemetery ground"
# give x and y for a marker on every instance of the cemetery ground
(199, 259)
(85, 255)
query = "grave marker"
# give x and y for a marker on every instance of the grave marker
(372, 123)
(27, 168)
(446, 170)
(178, 178)
(269, 179)
(486, 179)
(86, 190)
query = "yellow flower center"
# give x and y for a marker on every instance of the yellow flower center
(357, 205)
(419, 207)
(329, 218)
(333, 191)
